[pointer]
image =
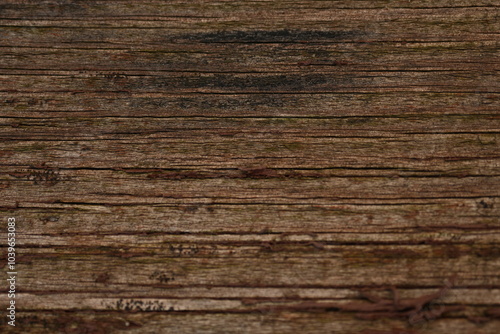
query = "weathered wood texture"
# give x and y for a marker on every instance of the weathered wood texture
(252, 166)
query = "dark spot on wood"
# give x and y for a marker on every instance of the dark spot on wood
(50, 219)
(266, 230)
(162, 276)
(190, 208)
(493, 312)
(44, 176)
(485, 205)
(134, 305)
(103, 278)
(274, 36)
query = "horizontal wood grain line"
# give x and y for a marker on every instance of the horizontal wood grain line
(267, 323)
(408, 47)
(209, 244)
(313, 4)
(430, 89)
(456, 294)
(251, 185)
(337, 104)
(346, 54)
(454, 154)
(46, 322)
(279, 128)
(135, 12)
(26, 14)
(365, 32)
(298, 16)
(157, 304)
(211, 19)
(43, 175)
(37, 133)
(339, 221)
(256, 83)
(251, 118)
(131, 271)
(135, 47)
(81, 247)
(148, 73)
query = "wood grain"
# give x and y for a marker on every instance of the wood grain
(252, 166)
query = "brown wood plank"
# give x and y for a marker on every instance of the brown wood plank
(293, 166)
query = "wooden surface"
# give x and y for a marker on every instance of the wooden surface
(252, 166)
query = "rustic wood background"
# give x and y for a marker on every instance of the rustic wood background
(252, 166)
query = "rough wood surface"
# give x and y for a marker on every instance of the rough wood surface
(252, 166)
